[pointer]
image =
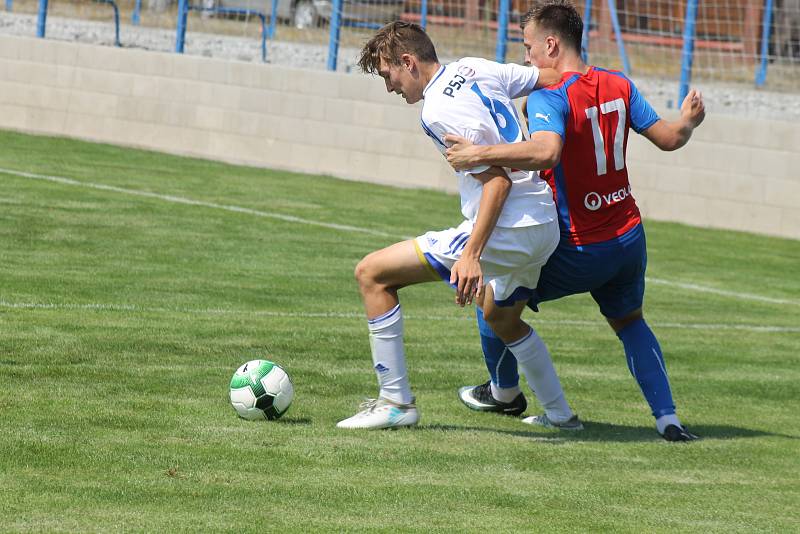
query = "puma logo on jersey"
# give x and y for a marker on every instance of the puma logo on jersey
(545, 118)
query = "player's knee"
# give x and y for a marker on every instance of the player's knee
(366, 273)
(490, 315)
(497, 319)
(622, 322)
(362, 270)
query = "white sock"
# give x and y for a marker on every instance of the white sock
(535, 363)
(665, 420)
(388, 355)
(505, 394)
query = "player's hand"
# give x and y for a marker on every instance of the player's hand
(462, 154)
(693, 109)
(467, 276)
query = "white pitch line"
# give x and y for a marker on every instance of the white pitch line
(360, 316)
(722, 292)
(192, 202)
(343, 227)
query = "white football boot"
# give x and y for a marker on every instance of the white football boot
(382, 413)
(573, 423)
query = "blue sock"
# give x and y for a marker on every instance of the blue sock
(646, 364)
(502, 365)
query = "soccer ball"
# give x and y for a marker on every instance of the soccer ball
(261, 389)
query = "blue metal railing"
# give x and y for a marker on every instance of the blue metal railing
(688, 40)
(266, 32)
(623, 54)
(502, 31)
(687, 55)
(137, 8)
(503, 38)
(41, 19)
(116, 19)
(766, 25)
(336, 26)
(587, 21)
(180, 37)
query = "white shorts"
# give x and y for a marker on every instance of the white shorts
(511, 261)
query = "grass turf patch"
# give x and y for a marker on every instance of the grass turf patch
(123, 317)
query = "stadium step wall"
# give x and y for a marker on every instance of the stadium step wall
(735, 174)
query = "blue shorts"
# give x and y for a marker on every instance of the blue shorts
(612, 271)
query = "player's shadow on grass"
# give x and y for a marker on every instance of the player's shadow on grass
(597, 431)
(735, 432)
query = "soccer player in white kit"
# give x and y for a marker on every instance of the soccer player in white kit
(494, 256)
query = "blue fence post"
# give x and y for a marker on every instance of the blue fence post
(137, 8)
(423, 14)
(687, 55)
(333, 44)
(273, 19)
(180, 37)
(9, 5)
(502, 31)
(116, 21)
(41, 22)
(587, 20)
(263, 36)
(626, 64)
(761, 72)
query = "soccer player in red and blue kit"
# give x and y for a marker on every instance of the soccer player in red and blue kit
(579, 131)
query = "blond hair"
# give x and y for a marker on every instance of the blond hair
(394, 40)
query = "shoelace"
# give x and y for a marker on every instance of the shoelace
(484, 393)
(368, 405)
(545, 421)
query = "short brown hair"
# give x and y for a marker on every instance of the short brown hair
(394, 40)
(559, 17)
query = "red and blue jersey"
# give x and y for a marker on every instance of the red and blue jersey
(593, 114)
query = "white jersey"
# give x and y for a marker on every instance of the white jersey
(472, 97)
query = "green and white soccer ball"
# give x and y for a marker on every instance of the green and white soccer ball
(261, 389)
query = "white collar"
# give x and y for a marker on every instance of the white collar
(433, 80)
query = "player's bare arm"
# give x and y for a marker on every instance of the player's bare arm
(466, 273)
(542, 151)
(524, 106)
(672, 135)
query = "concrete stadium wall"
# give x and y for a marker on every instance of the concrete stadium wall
(735, 173)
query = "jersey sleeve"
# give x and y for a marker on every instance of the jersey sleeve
(547, 111)
(643, 116)
(517, 79)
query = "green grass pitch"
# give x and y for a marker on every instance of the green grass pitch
(130, 292)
